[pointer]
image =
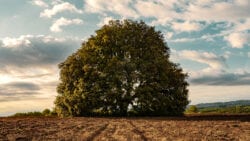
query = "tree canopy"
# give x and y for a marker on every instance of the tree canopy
(122, 70)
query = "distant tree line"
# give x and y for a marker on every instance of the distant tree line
(238, 109)
(192, 109)
(45, 112)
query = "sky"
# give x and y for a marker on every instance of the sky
(210, 39)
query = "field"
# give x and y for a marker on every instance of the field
(211, 128)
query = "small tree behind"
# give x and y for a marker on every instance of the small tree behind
(192, 109)
(46, 112)
(125, 67)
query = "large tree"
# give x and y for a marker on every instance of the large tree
(122, 70)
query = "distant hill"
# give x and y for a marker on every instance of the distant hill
(224, 104)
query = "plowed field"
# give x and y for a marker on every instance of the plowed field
(190, 128)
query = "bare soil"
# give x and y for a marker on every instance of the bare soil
(189, 128)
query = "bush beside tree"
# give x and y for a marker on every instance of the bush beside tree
(192, 109)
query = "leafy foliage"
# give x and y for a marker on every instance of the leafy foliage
(192, 109)
(123, 70)
(46, 112)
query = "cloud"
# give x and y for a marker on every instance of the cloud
(162, 11)
(31, 51)
(15, 42)
(213, 11)
(215, 73)
(60, 8)
(205, 37)
(169, 35)
(180, 40)
(120, 7)
(212, 60)
(19, 89)
(105, 21)
(152, 9)
(224, 79)
(238, 40)
(40, 3)
(165, 12)
(29, 72)
(22, 86)
(56, 27)
(187, 26)
(180, 16)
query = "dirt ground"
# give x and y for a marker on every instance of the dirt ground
(191, 128)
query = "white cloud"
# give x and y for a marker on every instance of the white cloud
(212, 60)
(56, 27)
(202, 10)
(238, 40)
(187, 26)
(60, 8)
(15, 42)
(120, 7)
(40, 3)
(169, 35)
(29, 50)
(215, 73)
(161, 10)
(105, 21)
(206, 37)
(152, 9)
(165, 12)
(217, 11)
(180, 40)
